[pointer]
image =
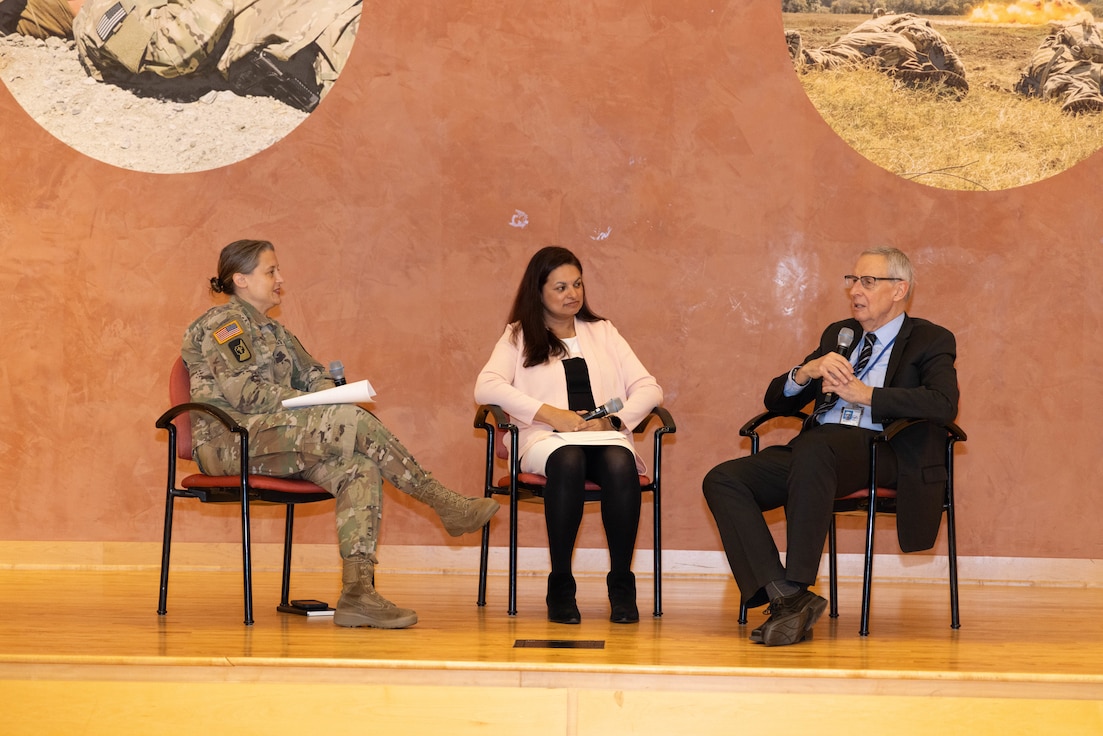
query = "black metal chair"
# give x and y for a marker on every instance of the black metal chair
(870, 502)
(243, 488)
(521, 486)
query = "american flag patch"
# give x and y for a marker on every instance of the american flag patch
(109, 21)
(227, 332)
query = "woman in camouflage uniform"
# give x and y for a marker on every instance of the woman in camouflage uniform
(246, 363)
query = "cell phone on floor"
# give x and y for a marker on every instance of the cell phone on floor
(309, 604)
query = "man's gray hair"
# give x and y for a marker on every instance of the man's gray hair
(900, 266)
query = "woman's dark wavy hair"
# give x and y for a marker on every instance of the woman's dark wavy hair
(240, 256)
(527, 315)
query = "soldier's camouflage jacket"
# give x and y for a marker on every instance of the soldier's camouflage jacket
(246, 364)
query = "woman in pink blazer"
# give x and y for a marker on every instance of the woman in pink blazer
(556, 361)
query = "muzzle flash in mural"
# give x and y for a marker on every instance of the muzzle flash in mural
(1029, 13)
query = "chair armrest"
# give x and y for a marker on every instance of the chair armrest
(668, 425)
(493, 448)
(228, 421)
(956, 433)
(501, 419)
(748, 429)
(165, 421)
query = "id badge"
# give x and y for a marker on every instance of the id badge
(851, 416)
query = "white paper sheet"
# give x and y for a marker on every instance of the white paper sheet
(350, 393)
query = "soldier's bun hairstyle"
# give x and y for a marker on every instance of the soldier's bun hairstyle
(240, 256)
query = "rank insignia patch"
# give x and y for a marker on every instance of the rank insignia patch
(241, 350)
(227, 332)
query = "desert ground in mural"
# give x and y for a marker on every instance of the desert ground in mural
(142, 133)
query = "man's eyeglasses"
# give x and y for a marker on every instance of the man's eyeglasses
(868, 282)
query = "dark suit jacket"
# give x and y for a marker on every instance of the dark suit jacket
(920, 383)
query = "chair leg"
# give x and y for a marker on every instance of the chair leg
(951, 541)
(166, 546)
(742, 613)
(867, 574)
(832, 569)
(658, 555)
(288, 533)
(246, 558)
(484, 560)
(512, 610)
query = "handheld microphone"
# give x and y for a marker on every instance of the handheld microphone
(337, 371)
(843, 343)
(614, 405)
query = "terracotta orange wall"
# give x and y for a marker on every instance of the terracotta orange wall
(679, 129)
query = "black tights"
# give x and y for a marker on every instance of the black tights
(614, 469)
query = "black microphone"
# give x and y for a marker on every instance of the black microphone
(614, 405)
(337, 370)
(842, 346)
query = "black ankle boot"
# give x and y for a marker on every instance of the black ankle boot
(562, 608)
(622, 597)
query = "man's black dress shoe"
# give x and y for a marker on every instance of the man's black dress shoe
(756, 635)
(791, 619)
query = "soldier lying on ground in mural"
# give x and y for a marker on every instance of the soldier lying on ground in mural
(293, 51)
(902, 45)
(1067, 67)
(38, 18)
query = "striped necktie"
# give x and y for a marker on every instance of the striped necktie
(866, 354)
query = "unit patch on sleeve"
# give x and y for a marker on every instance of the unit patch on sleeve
(227, 332)
(241, 350)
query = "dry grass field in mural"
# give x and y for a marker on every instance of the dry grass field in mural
(991, 138)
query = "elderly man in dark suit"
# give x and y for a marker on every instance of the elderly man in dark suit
(898, 367)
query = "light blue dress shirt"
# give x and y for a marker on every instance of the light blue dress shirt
(872, 375)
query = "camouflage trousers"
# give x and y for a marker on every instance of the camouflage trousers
(342, 448)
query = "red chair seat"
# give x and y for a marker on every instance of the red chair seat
(882, 493)
(256, 482)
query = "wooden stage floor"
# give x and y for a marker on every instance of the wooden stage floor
(84, 652)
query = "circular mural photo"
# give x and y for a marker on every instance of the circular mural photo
(954, 94)
(173, 86)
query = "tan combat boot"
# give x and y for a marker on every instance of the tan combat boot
(361, 605)
(460, 514)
